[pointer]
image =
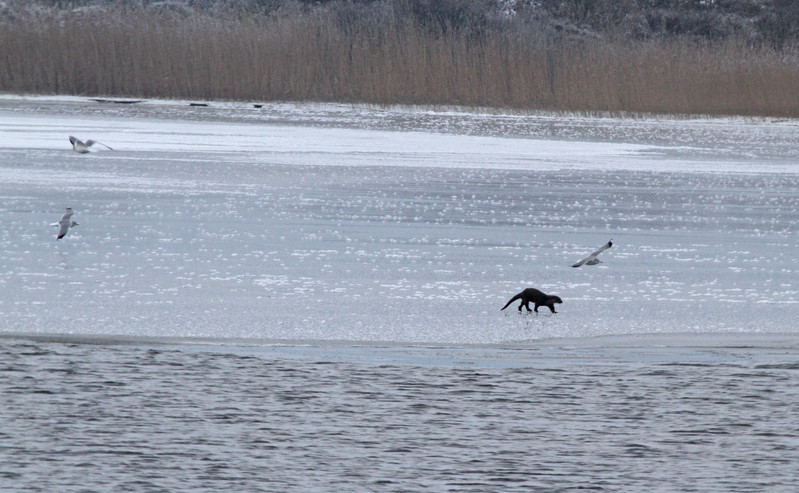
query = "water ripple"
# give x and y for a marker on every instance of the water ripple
(95, 417)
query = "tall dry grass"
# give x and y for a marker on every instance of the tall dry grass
(385, 57)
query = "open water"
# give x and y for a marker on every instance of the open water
(677, 413)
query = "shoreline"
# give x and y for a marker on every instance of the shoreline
(662, 341)
(210, 105)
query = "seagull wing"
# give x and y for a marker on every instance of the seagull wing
(594, 254)
(581, 262)
(64, 223)
(602, 248)
(62, 231)
(72, 140)
(92, 142)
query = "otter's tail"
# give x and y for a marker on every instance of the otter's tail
(511, 301)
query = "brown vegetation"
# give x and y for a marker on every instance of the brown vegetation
(385, 53)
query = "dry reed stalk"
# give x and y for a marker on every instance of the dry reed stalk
(323, 57)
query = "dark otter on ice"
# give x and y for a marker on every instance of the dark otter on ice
(537, 297)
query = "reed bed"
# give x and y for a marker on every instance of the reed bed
(387, 58)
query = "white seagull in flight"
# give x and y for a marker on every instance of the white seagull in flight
(592, 259)
(64, 224)
(83, 147)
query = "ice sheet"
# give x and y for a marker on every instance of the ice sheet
(330, 222)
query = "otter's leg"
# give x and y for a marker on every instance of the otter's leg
(552, 308)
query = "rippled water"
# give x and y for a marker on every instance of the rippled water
(114, 415)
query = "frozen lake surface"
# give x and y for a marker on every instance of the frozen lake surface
(307, 298)
(291, 222)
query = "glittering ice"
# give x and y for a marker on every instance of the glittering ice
(328, 222)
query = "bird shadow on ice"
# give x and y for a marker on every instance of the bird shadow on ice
(64, 260)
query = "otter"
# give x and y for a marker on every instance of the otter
(537, 297)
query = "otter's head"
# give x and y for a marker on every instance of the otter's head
(555, 299)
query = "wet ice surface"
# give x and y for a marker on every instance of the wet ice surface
(225, 227)
(306, 297)
(670, 413)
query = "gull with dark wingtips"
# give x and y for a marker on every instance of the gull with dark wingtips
(65, 223)
(83, 147)
(592, 259)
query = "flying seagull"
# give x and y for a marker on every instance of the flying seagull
(65, 223)
(83, 147)
(592, 259)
